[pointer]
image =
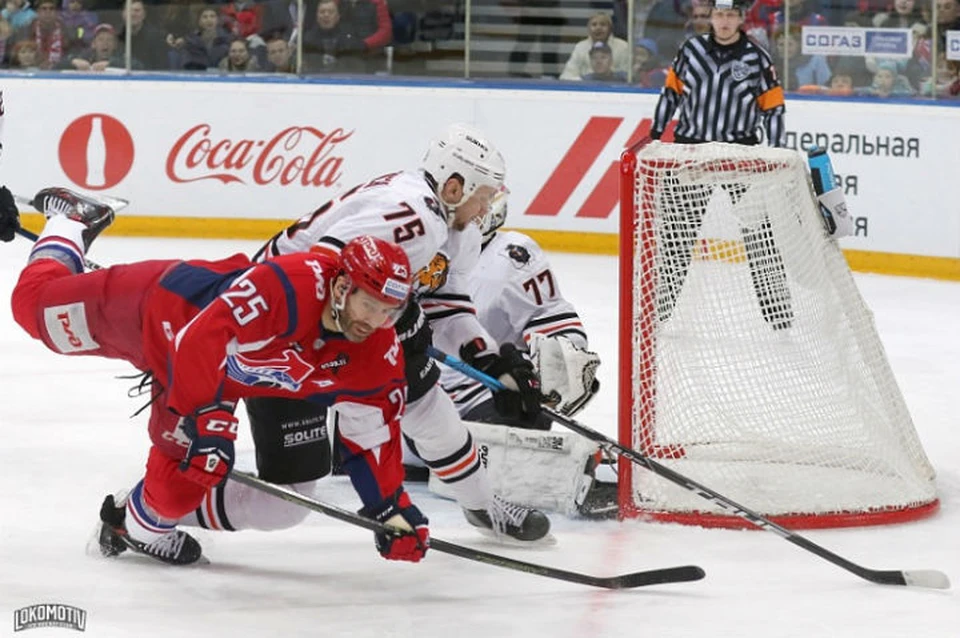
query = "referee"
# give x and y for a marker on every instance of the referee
(724, 85)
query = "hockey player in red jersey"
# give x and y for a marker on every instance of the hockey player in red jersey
(317, 327)
(431, 213)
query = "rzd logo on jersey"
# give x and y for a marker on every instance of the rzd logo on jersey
(68, 329)
(577, 162)
(285, 373)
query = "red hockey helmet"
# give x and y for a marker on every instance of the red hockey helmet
(379, 268)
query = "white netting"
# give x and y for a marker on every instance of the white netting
(756, 366)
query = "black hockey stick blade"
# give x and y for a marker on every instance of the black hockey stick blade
(930, 578)
(664, 576)
(624, 581)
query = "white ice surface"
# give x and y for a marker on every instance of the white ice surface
(65, 441)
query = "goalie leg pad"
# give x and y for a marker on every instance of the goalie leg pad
(544, 470)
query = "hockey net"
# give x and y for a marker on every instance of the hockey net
(748, 360)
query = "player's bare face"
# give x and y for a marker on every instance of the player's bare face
(363, 314)
(726, 25)
(476, 206)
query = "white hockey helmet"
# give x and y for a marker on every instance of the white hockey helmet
(465, 152)
(496, 216)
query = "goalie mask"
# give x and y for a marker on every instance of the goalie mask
(496, 216)
(464, 153)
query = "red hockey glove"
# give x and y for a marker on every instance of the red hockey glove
(397, 511)
(210, 455)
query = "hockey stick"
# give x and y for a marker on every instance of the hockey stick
(623, 581)
(931, 578)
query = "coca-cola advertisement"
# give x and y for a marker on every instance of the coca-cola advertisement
(294, 156)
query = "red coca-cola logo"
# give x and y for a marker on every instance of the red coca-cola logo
(299, 155)
(96, 151)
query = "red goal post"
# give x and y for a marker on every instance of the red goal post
(748, 360)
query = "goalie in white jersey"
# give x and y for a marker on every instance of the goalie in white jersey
(518, 300)
(430, 214)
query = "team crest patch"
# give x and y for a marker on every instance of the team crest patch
(518, 254)
(433, 275)
(287, 372)
(739, 70)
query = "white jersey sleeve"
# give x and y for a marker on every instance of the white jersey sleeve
(517, 293)
(398, 207)
(449, 308)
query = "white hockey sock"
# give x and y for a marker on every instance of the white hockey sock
(465, 477)
(62, 240)
(233, 507)
(142, 522)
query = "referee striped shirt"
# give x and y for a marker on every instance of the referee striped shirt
(723, 91)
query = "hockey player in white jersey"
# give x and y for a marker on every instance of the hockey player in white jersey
(518, 300)
(430, 213)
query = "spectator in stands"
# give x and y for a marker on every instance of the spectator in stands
(841, 82)
(208, 44)
(905, 14)
(177, 20)
(79, 22)
(802, 13)
(330, 45)
(600, 29)
(538, 21)
(242, 18)
(699, 21)
(279, 21)
(368, 20)
(888, 82)
(148, 43)
(47, 31)
(666, 24)
(18, 13)
(238, 58)
(280, 56)
(948, 19)
(601, 65)
(803, 70)
(648, 71)
(947, 83)
(103, 53)
(25, 56)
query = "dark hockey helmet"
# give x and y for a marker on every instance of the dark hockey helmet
(379, 268)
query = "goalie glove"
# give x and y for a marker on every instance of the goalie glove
(567, 373)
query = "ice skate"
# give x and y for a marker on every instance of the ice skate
(174, 548)
(60, 202)
(505, 519)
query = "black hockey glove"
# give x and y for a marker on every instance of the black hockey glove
(9, 215)
(521, 400)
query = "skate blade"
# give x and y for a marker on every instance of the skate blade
(548, 540)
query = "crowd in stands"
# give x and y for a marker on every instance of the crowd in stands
(359, 37)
